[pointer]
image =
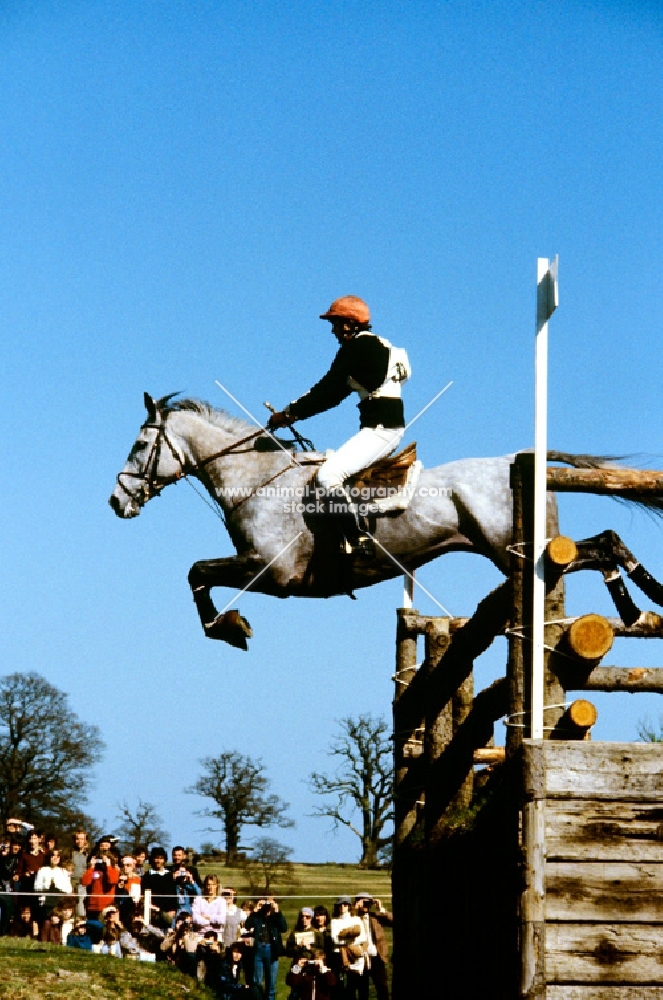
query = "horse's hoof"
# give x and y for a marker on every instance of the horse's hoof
(230, 627)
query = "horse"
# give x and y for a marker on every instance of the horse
(266, 495)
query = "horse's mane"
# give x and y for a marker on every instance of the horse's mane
(219, 418)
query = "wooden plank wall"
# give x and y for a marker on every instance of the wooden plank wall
(602, 878)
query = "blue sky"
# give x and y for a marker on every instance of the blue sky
(184, 187)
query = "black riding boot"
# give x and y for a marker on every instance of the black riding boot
(352, 526)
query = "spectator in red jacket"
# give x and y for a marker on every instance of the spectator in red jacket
(100, 878)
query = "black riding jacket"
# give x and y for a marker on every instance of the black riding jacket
(365, 361)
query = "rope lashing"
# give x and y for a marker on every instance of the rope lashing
(524, 725)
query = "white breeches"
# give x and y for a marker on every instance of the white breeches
(366, 447)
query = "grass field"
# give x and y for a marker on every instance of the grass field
(314, 884)
(33, 971)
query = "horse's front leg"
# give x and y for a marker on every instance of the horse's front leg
(234, 572)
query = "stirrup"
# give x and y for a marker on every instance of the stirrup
(364, 547)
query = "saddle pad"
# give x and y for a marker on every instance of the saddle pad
(390, 471)
(388, 486)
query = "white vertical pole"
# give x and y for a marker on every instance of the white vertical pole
(545, 305)
(408, 589)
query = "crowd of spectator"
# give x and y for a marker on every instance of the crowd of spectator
(145, 908)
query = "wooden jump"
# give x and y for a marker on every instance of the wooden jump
(549, 863)
(592, 903)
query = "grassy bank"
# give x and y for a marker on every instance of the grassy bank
(33, 971)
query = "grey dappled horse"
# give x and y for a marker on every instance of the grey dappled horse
(284, 549)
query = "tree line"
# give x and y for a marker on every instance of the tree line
(47, 755)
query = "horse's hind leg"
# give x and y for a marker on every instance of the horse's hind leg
(627, 609)
(606, 552)
(603, 553)
(609, 546)
(647, 583)
(236, 572)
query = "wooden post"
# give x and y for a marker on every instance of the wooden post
(439, 725)
(408, 717)
(461, 707)
(408, 711)
(439, 698)
(519, 668)
(554, 694)
(456, 722)
(533, 898)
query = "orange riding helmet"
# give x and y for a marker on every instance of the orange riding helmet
(348, 307)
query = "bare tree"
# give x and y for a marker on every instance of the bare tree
(268, 863)
(362, 783)
(46, 753)
(237, 785)
(140, 826)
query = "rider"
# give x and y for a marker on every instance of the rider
(363, 364)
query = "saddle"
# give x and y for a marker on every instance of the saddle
(389, 484)
(386, 487)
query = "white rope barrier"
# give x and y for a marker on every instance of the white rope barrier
(149, 895)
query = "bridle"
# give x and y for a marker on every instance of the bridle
(150, 483)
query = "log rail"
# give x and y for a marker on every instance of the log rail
(648, 626)
(605, 482)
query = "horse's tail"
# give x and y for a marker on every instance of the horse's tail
(649, 502)
(586, 461)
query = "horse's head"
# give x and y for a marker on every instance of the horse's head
(154, 461)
